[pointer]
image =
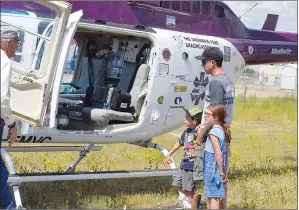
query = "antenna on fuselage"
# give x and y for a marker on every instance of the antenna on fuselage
(248, 10)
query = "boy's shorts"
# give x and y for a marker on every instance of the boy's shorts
(198, 163)
(184, 180)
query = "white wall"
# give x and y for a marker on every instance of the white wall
(270, 74)
(289, 77)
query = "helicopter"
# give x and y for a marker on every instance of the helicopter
(131, 74)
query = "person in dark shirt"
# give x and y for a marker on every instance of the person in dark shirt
(220, 91)
(183, 181)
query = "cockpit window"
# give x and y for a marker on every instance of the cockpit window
(190, 6)
(196, 7)
(165, 4)
(41, 28)
(219, 11)
(176, 5)
(206, 8)
(40, 49)
(186, 6)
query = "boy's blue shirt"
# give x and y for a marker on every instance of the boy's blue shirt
(188, 140)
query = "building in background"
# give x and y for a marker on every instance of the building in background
(270, 74)
(289, 77)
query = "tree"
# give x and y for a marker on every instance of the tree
(249, 70)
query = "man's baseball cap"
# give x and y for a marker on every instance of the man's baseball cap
(195, 113)
(211, 53)
(8, 32)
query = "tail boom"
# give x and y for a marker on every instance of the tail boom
(280, 49)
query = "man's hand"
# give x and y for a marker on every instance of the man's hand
(167, 160)
(12, 135)
(197, 130)
(202, 133)
(200, 136)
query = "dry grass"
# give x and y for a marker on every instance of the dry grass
(263, 168)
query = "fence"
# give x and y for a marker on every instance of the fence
(265, 85)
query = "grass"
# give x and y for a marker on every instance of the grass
(263, 168)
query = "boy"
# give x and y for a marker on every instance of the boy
(183, 181)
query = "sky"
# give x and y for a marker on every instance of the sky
(255, 18)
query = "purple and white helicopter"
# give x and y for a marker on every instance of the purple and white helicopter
(133, 69)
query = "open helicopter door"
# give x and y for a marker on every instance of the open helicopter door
(31, 88)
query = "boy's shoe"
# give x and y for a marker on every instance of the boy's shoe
(198, 201)
(184, 202)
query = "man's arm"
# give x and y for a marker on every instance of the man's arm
(6, 113)
(216, 92)
(203, 132)
(216, 97)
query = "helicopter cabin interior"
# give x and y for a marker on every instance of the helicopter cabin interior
(105, 74)
(105, 81)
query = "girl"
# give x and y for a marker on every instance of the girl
(215, 157)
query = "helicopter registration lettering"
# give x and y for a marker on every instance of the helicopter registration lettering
(32, 139)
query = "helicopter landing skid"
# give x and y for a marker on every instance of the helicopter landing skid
(184, 201)
(15, 179)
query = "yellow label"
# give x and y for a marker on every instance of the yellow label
(181, 89)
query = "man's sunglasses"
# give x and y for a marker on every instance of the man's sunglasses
(204, 61)
(19, 42)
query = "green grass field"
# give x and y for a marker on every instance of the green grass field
(263, 168)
